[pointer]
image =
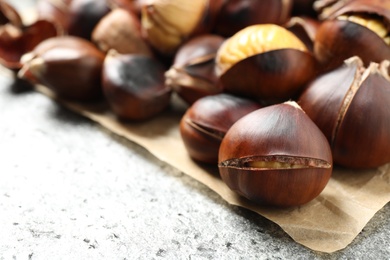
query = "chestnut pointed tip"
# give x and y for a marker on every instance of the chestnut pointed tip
(32, 69)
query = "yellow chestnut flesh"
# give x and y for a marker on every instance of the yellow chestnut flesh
(254, 40)
(375, 24)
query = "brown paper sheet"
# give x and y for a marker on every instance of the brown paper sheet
(327, 224)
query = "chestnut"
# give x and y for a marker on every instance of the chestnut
(84, 16)
(16, 41)
(265, 62)
(350, 105)
(353, 28)
(276, 156)
(235, 15)
(120, 30)
(192, 74)
(70, 66)
(133, 85)
(206, 122)
(305, 28)
(168, 23)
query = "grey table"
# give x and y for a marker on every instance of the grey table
(69, 189)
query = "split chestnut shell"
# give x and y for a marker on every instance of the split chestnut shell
(276, 156)
(351, 106)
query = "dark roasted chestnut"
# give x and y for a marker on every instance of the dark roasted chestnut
(235, 15)
(134, 86)
(350, 105)
(206, 122)
(192, 74)
(350, 28)
(276, 156)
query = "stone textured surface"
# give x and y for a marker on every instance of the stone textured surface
(71, 190)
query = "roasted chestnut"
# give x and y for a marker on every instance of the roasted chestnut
(350, 28)
(192, 74)
(235, 15)
(84, 16)
(206, 122)
(120, 30)
(167, 24)
(16, 41)
(68, 65)
(350, 105)
(305, 28)
(265, 62)
(276, 156)
(134, 87)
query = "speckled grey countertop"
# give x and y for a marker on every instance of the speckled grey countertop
(71, 190)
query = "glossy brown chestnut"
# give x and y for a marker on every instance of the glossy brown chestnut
(134, 86)
(16, 41)
(276, 156)
(350, 105)
(120, 30)
(169, 23)
(265, 62)
(192, 74)
(206, 122)
(68, 65)
(84, 16)
(235, 15)
(352, 28)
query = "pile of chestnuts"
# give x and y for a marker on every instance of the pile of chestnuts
(278, 92)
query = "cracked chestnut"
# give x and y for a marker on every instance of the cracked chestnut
(265, 62)
(276, 156)
(350, 105)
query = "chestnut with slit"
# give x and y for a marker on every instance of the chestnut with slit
(133, 85)
(276, 156)
(265, 62)
(353, 28)
(350, 105)
(206, 122)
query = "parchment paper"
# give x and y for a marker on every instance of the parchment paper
(327, 224)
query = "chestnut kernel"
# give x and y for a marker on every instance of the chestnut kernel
(350, 105)
(134, 87)
(206, 122)
(276, 156)
(266, 62)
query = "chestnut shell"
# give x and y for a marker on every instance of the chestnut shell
(338, 40)
(206, 122)
(270, 77)
(359, 135)
(276, 133)
(133, 84)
